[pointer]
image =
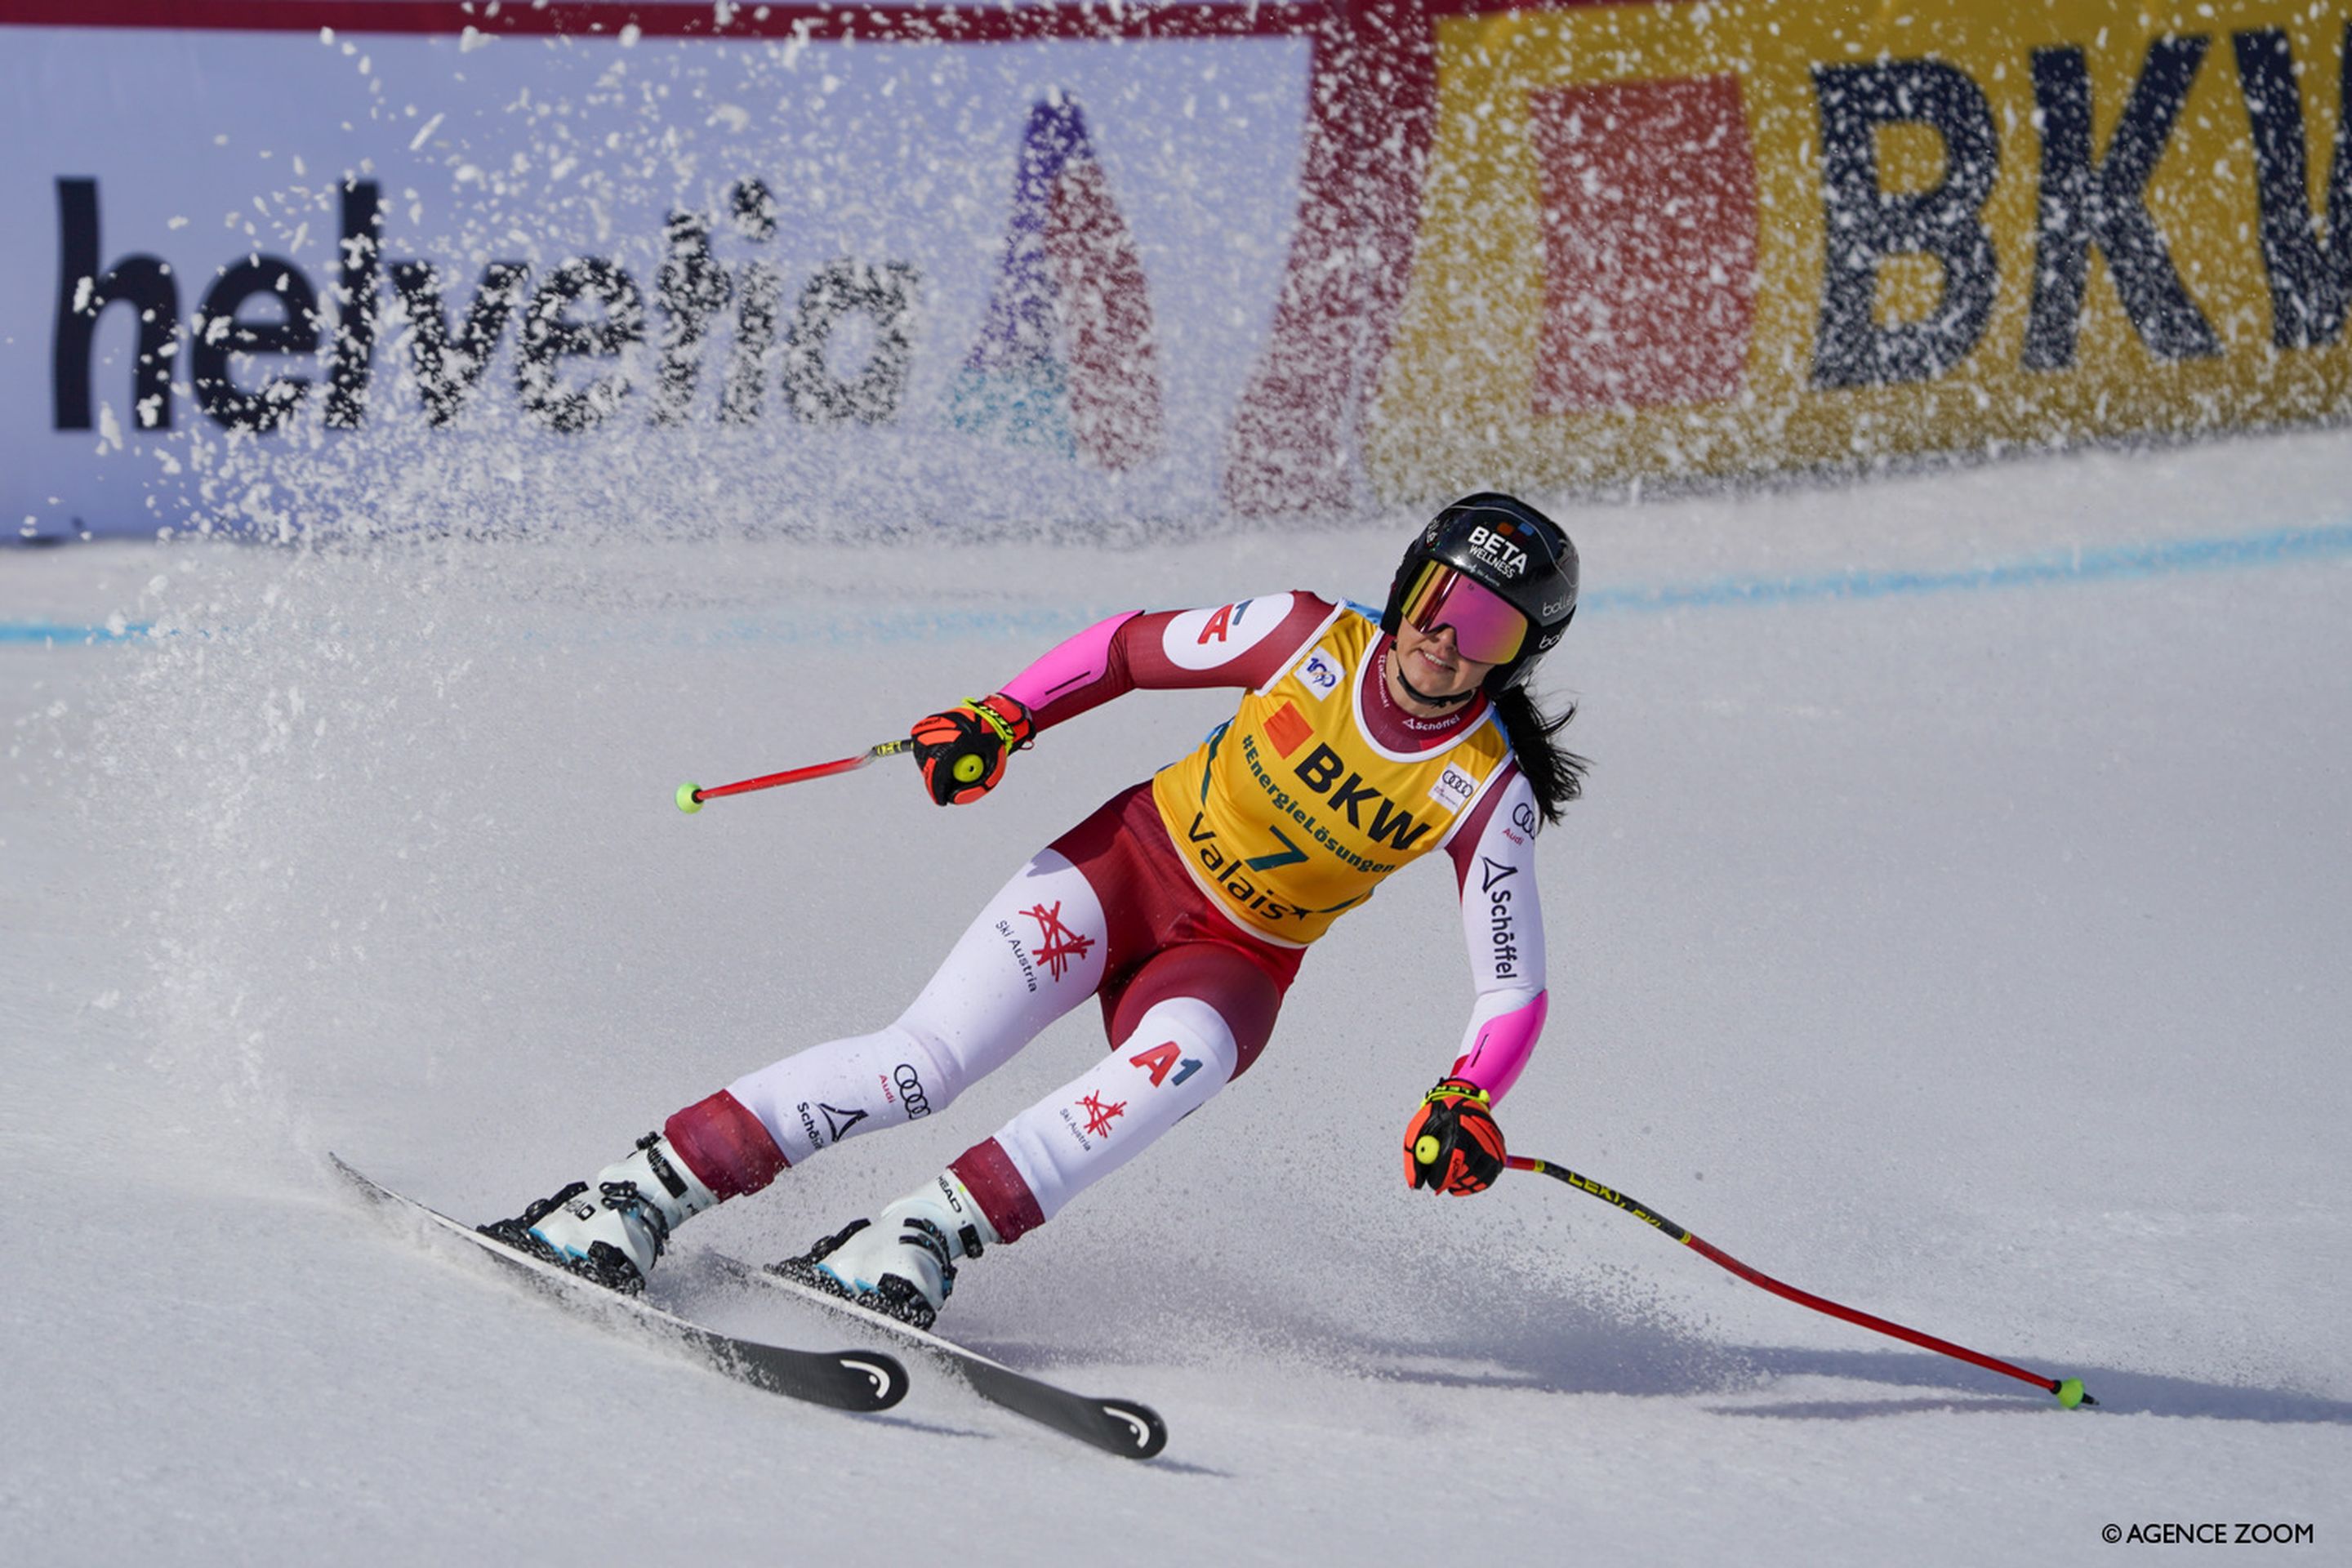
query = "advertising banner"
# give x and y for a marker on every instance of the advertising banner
(272, 265)
(1656, 240)
(263, 277)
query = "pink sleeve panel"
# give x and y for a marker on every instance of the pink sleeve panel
(1068, 675)
(1499, 1050)
(1493, 853)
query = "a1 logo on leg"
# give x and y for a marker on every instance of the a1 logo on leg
(1162, 1059)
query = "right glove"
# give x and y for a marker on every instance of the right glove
(1452, 1144)
(962, 750)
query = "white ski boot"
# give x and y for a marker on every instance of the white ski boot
(903, 1261)
(611, 1229)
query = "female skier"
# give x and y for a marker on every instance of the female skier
(1185, 903)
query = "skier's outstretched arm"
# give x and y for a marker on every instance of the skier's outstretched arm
(963, 749)
(1245, 643)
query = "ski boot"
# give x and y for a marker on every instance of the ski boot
(611, 1229)
(901, 1263)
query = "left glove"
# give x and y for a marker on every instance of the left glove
(1452, 1144)
(962, 750)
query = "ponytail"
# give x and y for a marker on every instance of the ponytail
(1553, 772)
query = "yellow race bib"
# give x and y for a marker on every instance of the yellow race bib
(1290, 811)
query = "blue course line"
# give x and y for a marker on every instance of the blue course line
(2106, 564)
(56, 632)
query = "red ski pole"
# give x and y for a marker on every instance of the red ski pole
(692, 795)
(2068, 1389)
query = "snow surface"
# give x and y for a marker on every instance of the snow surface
(1972, 953)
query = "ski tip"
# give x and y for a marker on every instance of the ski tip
(889, 1377)
(1145, 1433)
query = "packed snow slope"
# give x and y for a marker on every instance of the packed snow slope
(1955, 927)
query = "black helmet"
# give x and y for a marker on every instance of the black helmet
(1503, 544)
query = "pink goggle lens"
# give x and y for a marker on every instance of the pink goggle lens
(1486, 628)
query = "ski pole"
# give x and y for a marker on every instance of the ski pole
(2068, 1389)
(690, 796)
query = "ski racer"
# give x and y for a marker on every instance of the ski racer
(1361, 742)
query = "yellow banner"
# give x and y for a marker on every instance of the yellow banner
(1717, 239)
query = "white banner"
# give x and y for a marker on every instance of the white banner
(262, 279)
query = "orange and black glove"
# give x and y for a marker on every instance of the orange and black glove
(1452, 1144)
(962, 750)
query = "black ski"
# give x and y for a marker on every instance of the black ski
(1118, 1426)
(857, 1380)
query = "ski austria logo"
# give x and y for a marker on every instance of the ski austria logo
(1100, 1113)
(1057, 944)
(1020, 956)
(1068, 358)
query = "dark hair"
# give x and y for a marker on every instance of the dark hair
(1553, 772)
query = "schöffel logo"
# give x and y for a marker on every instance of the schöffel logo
(910, 1091)
(1493, 877)
(838, 1123)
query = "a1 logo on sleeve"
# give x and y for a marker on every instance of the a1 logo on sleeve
(1453, 788)
(1204, 639)
(1320, 671)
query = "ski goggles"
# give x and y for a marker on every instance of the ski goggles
(1486, 628)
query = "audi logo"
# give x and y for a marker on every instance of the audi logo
(910, 1091)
